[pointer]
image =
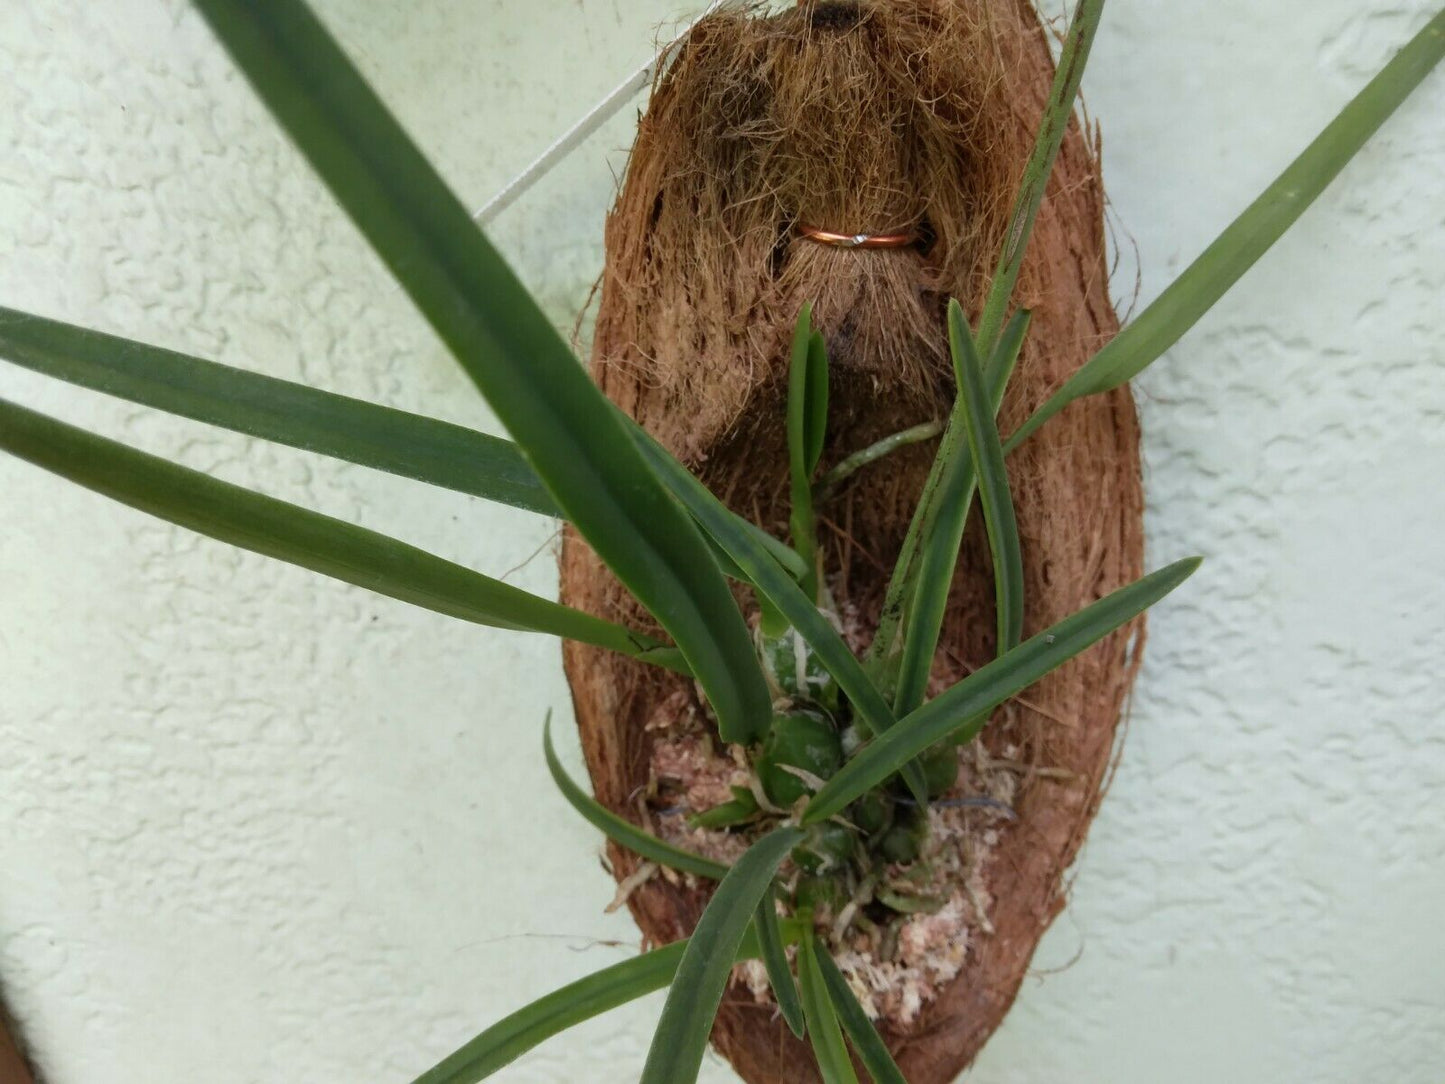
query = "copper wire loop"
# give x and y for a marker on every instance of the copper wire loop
(856, 240)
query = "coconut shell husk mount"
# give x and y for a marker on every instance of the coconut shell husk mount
(911, 116)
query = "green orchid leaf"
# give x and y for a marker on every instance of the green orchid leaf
(986, 451)
(564, 426)
(675, 1056)
(681, 483)
(740, 810)
(1252, 234)
(968, 702)
(883, 655)
(620, 830)
(929, 596)
(828, 1047)
(872, 1050)
(1068, 76)
(775, 959)
(573, 1004)
(367, 434)
(301, 537)
(783, 594)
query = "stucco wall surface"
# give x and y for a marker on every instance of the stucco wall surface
(259, 826)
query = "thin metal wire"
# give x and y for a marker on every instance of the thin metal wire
(857, 240)
(571, 139)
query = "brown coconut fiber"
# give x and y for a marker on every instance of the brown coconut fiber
(874, 117)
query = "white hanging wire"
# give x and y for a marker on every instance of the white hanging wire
(571, 139)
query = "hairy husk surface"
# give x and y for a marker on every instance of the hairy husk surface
(870, 118)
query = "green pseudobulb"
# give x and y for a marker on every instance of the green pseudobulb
(828, 846)
(800, 740)
(903, 842)
(794, 672)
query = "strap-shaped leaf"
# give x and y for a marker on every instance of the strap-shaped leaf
(967, 702)
(828, 1047)
(1068, 76)
(621, 830)
(679, 482)
(383, 438)
(573, 1004)
(779, 551)
(884, 653)
(677, 1047)
(302, 537)
(1252, 234)
(395, 441)
(781, 592)
(775, 959)
(872, 1050)
(563, 424)
(986, 452)
(929, 598)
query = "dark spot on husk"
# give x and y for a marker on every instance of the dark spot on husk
(779, 256)
(839, 15)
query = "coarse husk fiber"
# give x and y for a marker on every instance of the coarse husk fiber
(870, 118)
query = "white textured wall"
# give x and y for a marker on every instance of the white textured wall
(258, 826)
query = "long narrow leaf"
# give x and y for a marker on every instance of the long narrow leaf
(966, 703)
(573, 1004)
(929, 598)
(563, 424)
(302, 537)
(986, 452)
(872, 1050)
(621, 830)
(677, 1047)
(770, 941)
(883, 654)
(833, 1061)
(1252, 234)
(779, 551)
(1068, 76)
(409, 445)
(318, 421)
(784, 595)
(680, 482)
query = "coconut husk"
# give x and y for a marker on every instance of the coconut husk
(912, 115)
